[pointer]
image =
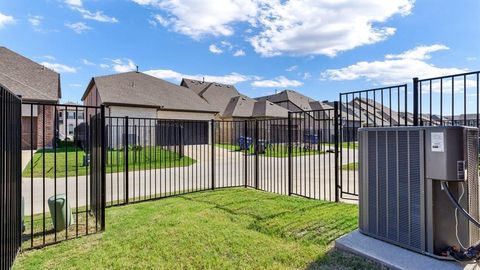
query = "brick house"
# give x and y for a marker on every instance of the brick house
(36, 84)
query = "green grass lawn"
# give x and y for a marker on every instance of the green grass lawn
(275, 150)
(348, 145)
(350, 166)
(138, 159)
(223, 229)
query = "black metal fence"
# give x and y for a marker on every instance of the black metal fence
(313, 154)
(81, 161)
(150, 158)
(63, 181)
(10, 178)
(446, 100)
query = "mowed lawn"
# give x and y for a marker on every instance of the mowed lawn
(222, 229)
(69, 161)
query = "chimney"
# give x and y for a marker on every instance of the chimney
(137, 69)
(203, 79)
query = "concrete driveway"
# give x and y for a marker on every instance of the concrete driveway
(312, 177)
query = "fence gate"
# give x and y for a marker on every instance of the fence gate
(10, 178)
(63, 182)
(313, 153)
(379, 107)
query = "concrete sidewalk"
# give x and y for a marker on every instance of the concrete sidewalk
(312, 178)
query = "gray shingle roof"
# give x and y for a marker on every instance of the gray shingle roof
(27, 78)
(243, 106)
(299, 100)
(216, 94)
(140, 89)
(265, 108)
(239, 106)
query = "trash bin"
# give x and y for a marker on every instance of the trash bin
(245, 142)
(310, 138)
(60, 212)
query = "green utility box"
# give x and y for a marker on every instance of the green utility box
(60, 212)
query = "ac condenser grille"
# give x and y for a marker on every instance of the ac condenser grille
(472, 172)
(382, 184)
(402, 206)
(415, 192)
(372, 184)
(394, 187)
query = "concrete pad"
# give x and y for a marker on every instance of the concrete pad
(393, 256)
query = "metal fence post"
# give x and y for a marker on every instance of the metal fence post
(290, 165)
(256, 155)
(245, 142)
(126, 144)
(415, 101)
(213, 153)
(336, 141)
(103, 149)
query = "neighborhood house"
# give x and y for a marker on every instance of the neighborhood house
(34, 83)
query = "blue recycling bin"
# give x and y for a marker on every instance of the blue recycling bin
(311, 138)
(245, 143)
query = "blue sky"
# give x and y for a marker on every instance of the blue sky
(318, 47)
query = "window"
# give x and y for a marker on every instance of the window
(70, 115)
(70, 129)
(80, 115)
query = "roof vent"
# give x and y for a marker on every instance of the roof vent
(137, 69)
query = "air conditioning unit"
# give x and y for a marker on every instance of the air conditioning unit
(404, 174)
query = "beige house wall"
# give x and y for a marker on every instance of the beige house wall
(185, 115)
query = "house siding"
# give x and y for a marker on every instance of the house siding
(185, 115)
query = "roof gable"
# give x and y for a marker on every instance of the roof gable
(302, 102)
(27, 78)
(140, 89)
(218, 95)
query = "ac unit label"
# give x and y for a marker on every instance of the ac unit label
(437, 142)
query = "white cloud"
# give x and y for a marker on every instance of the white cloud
(123, 65)
(214, 49)
(87, 62)
(160, 20)
(280, 82)
(104, 66)
(78, 27)
(97, 16)
(196, 18)
(294, 27)
(35, 20)
(75, 85)
(75, 3)
(307, 75)
(90, 15)
(239, 52)
(471, 58)
(323, 26)
(6, 20)
(60, 68)
(292, 68)
(393, 69)
(232, 78)
(419, 53)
